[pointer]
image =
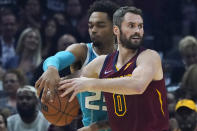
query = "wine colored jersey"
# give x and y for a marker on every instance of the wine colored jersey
(144, 112)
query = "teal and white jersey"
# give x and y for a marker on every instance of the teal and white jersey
(92, 104)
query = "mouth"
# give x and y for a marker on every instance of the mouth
(136, 38)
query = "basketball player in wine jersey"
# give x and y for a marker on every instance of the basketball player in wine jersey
(131, 77)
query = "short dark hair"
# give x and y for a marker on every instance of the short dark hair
(120, 13)
(105, 6)
(20, 75)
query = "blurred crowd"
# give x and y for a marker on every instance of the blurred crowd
(32, 30)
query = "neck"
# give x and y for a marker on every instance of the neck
(27, 54)
(125, 55)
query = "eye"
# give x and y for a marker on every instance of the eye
(90, 26)
(140, 26)
(131, 25)
(101, 26)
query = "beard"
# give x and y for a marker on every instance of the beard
(26, 112)
(127, 43)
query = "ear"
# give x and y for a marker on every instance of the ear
(116, 30)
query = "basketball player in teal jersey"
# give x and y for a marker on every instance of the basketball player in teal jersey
(101, 33)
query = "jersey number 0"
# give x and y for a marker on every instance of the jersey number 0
(119, 104)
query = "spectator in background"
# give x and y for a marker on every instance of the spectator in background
(73, 18)
(189, 14)
(82, 29)
(12, 80)
(53, 6)
(8, 31)
(3, 122)
(188, 88)
(60, 19)
(188, 50)
(30, 14)
(9, 3)
(64, 41)
(29, 117)
(73, 11)
(28, 53)
(50, 34)
(185, 116)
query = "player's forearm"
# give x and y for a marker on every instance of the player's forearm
(60, 60)
(100, 125)
(76, 74)
(126, 85)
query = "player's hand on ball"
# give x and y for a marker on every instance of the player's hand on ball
(75, 86)
(47, 84)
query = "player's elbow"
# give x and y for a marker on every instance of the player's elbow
(139, 89)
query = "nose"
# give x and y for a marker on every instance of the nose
(137, 29)
(24, 101)
(94, 29)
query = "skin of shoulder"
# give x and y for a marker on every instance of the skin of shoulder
(79, 50)
(150, 60)
(93, 69)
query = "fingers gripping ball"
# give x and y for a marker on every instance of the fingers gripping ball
(60, 112)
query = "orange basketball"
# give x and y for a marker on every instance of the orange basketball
(60, 112)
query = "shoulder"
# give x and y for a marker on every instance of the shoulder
(79, 50)
(13, 118)
(97, 62)
(94, 67)
(100, 58)
(77, 46)
(151, 61)
(149, 54)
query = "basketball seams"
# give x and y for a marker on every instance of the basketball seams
(65, 111)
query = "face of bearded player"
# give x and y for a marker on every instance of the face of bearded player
(131, 31)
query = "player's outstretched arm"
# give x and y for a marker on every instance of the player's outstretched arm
(50, 78)
(148, 68)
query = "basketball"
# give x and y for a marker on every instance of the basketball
(60, 112)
